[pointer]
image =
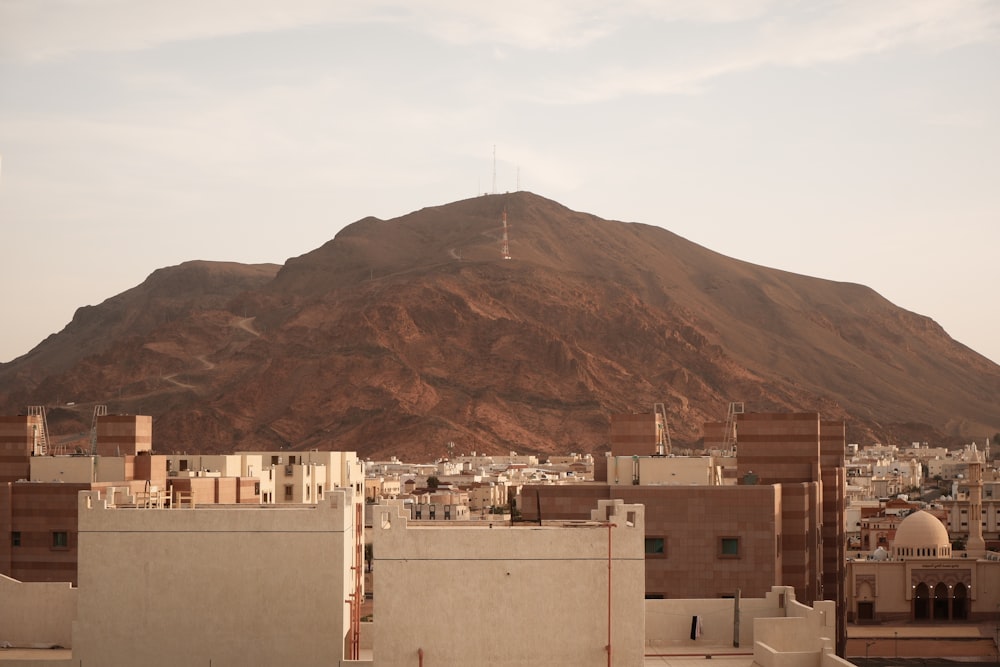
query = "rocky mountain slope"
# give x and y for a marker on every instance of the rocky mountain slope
(399, 336)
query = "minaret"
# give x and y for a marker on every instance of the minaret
(976, 546)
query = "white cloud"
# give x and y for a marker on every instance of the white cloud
(844, 32)
(47, 29)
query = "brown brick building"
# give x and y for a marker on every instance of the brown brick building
(782, 524)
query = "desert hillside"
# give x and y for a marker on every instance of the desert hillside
(399, 336)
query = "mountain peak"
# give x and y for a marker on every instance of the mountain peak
(400, 335)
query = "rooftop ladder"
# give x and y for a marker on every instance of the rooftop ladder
(40, 445)
(99, 411)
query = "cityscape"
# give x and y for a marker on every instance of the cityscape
(305, 361)
(779, 542)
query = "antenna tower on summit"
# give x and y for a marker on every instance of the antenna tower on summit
(506, 242)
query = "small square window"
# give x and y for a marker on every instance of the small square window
(60, 539)
(15, 538)
(656, 547)
(288, 492)
(729, 547)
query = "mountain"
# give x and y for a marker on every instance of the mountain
(399, 336)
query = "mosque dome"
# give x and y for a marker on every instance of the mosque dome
(921, 535)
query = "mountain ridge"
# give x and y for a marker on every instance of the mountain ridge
(397, 336)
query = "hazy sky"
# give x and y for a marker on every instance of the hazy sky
(856, 141)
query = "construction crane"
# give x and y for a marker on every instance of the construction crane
(99, 411)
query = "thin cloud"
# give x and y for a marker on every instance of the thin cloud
(33, 30)
(847, 33)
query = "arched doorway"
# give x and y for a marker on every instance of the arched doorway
(941, 600)
(866, 602)
(921, 602)
(960, 603)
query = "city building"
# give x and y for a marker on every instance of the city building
(274, 585)
(919, 575)
(783, 522)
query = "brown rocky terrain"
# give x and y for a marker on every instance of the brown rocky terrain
(399, 336)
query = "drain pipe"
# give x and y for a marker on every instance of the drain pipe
(609, 594)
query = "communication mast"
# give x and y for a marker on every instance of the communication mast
(506, 241)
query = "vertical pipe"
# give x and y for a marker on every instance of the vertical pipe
(609, 593)
(736, 619)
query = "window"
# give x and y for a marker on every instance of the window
(729, 547)
(307, 490)
(256, 488)
(184, 464)
(15, 538)
(60, 539)
(656, 596)
(656, 547)
(319, 491)
(288, 491)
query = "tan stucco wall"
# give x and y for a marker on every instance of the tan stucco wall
(172, 587)
(75, 469)
(668, 622)
(661, 470)
(535, 595)
(36, 614)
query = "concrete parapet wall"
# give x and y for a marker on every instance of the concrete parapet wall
(36, 614)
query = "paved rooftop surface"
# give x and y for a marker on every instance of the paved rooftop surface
(961, 641)
(722, 656)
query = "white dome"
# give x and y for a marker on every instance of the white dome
(921, 535)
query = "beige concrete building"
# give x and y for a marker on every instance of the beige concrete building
(268, 585)
(558, 594)
(226, 586)
(303, 477)
(659, 470)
